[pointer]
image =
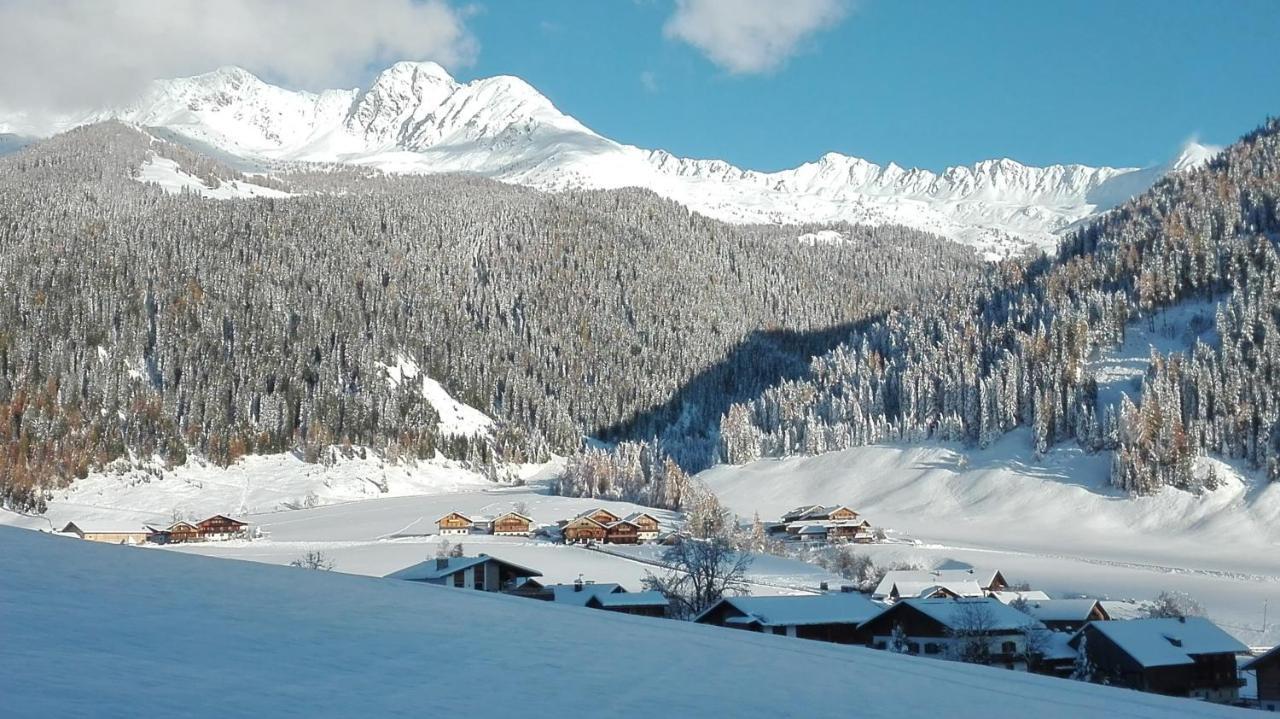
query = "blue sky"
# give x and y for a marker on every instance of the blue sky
(924, 83)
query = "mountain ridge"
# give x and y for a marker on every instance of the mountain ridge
(414, 117)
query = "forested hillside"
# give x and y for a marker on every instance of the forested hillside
(1015, 355)
(136, 323)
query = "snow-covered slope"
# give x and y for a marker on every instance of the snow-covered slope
(285, 642)
(414, 117)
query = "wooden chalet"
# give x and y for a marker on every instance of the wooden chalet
(220, 526)
(583, 529)
(851, 531)
(512, 524)
(1266, 671)
(934, 628)
(182, 531)
(482, 573)
(1065, 615)
(643, 604)
(1187, 657)
(601, 515)
(454, 523)
(622, 532)
(647, 525)
(110, 534)
(835, 617)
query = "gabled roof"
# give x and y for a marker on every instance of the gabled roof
(813, 529)
(1165, 642)
(1010, 596)
(1266, 658)
(571, 594)
(99, 528)
(1062, 610)
(514, 514)
(431, 569)
(955, 613)
(799, 512)
(459, 515)
(587, 514)
(628, 599)
(636, 515)
(582, 518)
(929, 588)
(946, 577)
(621, 522)
(801, 610)
(221, 516)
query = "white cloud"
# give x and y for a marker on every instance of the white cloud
(751, 36)
(74, 53)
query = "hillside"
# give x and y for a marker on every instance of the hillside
(288, 642)
(416, 118)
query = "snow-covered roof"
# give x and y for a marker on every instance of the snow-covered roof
(103, 528)
(632, 599)
(813, 529)
(956, 613)
(930, 587)
(454, 514)
(636, 515)
(800, 511)
(1061, 610)
(1164, 642)
(435, 569)
(514, 514)
(1010, 596)
(943, 577)
(1268, 656)
(800, 610)
(1057, 646)
(571, 594)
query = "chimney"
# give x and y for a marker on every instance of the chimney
(442, 562)
(577, 584)
(822, 586)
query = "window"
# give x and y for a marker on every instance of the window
(913, 647)
(1009, 647)
(931, 648)
(458, 579)
(478, 581)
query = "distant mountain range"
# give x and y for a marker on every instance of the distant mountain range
(415, 117)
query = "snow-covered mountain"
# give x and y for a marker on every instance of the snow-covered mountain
(415, 117)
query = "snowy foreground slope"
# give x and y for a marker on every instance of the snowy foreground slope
(92, 630)
(414, 117)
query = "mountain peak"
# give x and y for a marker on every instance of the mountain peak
(416, 71)
(1192, 155)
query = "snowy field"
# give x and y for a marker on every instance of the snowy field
(112, 633)
(173, 179)
(1056, 523)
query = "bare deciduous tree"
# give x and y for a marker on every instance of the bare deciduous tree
(700, 573)
(314, 560)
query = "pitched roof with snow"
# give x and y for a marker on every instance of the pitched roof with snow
(1263, 658)
(1164, 642)
(1061, 610)
(435, 569)
(942, 577)
(102, 528)
(800, 610)
(956, 613)
(1010, 596)
(631, 599)
(579, 594)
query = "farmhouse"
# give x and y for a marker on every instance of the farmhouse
(220, 526)
(482, 572)
(644, 604)
(647, 524)
(1266, 669)
(1189, 657)
(825, 617)
(819, 513)
(182, 531)
(951, 628)
(111, 534)
(512, 524)
(582, 530)
(454, 523)
(622, 532)
(1065, 615)
(600, 515)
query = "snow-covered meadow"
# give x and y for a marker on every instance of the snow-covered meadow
(111, 631)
